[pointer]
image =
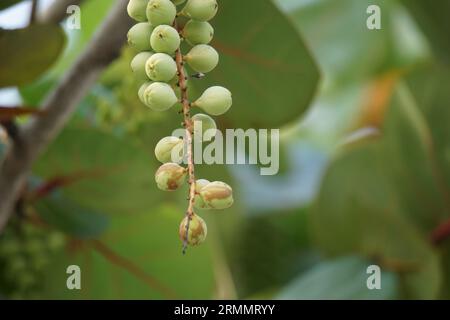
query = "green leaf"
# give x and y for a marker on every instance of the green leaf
(8, 3)
(138, 258)
(383, 198)
(118, 174)
(433, 18)
(264, 63)
(68, 216)
(27, 53)
(341, 279)
(345, 49)
(93, 14)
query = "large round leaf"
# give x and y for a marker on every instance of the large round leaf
(108, 174)
(27, 53)
(265, 64)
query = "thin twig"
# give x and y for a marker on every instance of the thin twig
(59, 106)
(135, 270)
(33, 12)
(441, 233)
(189, 126)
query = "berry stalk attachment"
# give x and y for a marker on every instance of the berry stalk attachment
(160, 66)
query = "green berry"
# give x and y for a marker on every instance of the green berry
(34, 247)
(178, 2)
(215, 101)
(170, 176)
(15, 265)
(217, 195)
(142, 90)
(170, 149)
(165, 39)
(197, 32)
(9, 247)
(25, 280)
(139, 36)
(161, 67)
(199, 185)
(197, 230)
(137, 10)
(201, 10)
(138, 65)
(55, 241)
(161, 12)
(202, 58)
(159, 96)
(204, 124)
(39, 263)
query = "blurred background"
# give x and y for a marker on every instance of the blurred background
(365, 161)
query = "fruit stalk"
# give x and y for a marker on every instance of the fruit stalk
(189, 127)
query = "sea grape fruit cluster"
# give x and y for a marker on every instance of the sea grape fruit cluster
(156, 39)
(25, 253)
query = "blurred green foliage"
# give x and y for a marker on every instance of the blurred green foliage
(339, 204)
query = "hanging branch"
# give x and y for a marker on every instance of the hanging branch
(33, 12)
(59, 106)
(189, 127)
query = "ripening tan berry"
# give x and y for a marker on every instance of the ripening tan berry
(217, 195)
(161, 12)
(139, 36)
(197, 230)
(204, 126)
(201, 10)
(202, 58)
(170, 149)
(137, 10)
(199, 185)
(138, 65)
(161, 67)
(165, 39)
(159, 96)
(197, 32)
(215, 101)
(170, 176)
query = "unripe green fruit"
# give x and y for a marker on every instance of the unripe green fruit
(170, 176)
(178, 2)
(16, 265)
(34, 247)
(165, 39)
(202, 58)
(197, 230)
(139, 36)
(142, 90)
(39, 263)
(170, 149)
(137, 10)
(215, 101)
(25, 280)
(161, 12)
(198, 201)
(138, 65)
(204, 124)
(201, 10)
(55, 241)
(197, 32)
(217, 195)
(161, 67)
(9, 247)
(159, 96)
